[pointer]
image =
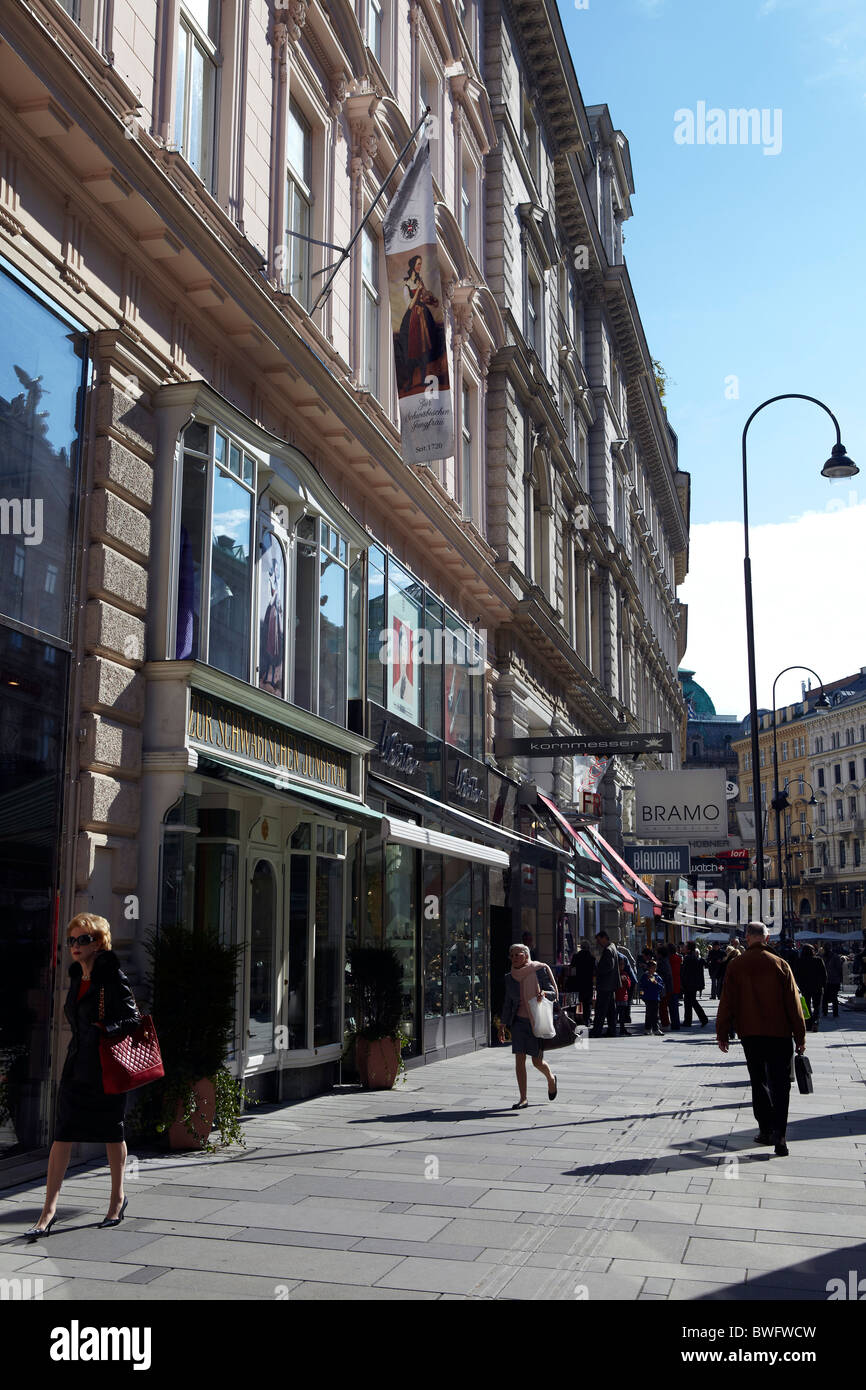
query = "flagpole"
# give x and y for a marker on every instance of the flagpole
(365, 219)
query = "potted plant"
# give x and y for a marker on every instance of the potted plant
(376, 993)
(193, 988)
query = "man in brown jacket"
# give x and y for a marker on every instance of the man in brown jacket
(762, 1002)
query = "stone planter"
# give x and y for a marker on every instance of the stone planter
(378, 1063)
(201, 1120)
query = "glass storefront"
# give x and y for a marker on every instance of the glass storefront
(42, 365)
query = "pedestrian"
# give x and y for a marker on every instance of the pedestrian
(714, 964)
(528, 979)
(663, 970)
(583, 970)
(812, 981)
(99, 1002)
(835, 972)
(675, 961)
(607, 982)
(623, 996)
(651, 988)
(692, 975)
(762, 999)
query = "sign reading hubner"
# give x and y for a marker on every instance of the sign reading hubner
(681, 805)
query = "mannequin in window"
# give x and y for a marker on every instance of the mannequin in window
(272, 632)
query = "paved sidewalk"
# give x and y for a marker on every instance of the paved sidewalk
(641, 1181)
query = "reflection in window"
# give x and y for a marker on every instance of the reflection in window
(328, 950)
(306, 610)
(458, 937)
(432, 926)
(231, 576)
(272, 583)
(41, 378)
(332, 631)
(195, 96)
(299, 911)
(400, 865)
(370, 306)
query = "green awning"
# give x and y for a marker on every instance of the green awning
(349, 810)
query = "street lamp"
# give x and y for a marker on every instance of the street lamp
(837, 466)
(781, 803)
(780, 799)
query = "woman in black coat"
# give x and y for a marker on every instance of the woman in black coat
(85, 1113)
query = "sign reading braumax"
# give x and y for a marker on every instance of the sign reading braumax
(681, 805)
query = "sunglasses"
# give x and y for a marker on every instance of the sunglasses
(80, 940)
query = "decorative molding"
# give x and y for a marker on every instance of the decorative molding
(72, 262)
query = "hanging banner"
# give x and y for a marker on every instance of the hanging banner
(418, 316)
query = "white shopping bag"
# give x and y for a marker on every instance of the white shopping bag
(541, 1014)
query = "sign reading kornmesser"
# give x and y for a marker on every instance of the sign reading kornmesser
(418, 316)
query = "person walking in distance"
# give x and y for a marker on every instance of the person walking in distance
(714, 960)
(663, 970)
(692, 975)
(607, 982)
(675, 961)
(812, 980)
(835, 971)
(583, 970)
(762, 1001)
(652, 987)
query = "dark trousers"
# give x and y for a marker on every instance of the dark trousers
(585, 997)
(715, 991)
(674, 1010)
(690, 1002)
(831, 996)
(769, 1063)
(651, 1020)
(605, 1011)
(813, 999)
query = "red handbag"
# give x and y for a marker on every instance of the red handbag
(131, 1061)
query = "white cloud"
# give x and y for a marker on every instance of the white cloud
(807, 584)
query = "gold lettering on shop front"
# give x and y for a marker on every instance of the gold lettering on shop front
(216, 725)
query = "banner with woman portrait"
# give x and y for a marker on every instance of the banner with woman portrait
(418, 316)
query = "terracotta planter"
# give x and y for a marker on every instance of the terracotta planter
(378, 1063)
(201, 1120)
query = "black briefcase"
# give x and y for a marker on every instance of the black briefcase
(803, 1073)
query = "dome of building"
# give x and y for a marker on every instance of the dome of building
(697, 700)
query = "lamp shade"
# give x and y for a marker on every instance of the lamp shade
(839, 465)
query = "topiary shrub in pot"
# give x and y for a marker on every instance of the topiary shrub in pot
(376, 993)
(193, 978)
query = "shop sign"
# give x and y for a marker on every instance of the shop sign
(680, 805)
(404, 753)
(466, 785)
(502, 795)
(244, 738)
(657, 859)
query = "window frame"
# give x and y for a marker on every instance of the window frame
(371, 294)
(212, 57)
(301, 183)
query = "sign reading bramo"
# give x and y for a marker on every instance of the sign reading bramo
(681, 805)
(272, 747)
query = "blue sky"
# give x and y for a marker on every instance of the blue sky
(748, 265)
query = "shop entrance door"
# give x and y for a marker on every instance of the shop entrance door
(264, 974)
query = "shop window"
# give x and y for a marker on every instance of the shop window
(458, 937)
(272, 625)
(400, 929)
(41, 392)
(231, 569)
(328, 951)
(296, 966)
(432, 936)
(198, 61)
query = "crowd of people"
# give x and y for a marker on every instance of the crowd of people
(670, 979)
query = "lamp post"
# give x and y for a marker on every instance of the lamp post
(781, 803)
(838, 465)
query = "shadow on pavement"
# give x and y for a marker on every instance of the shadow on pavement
(812, 1279)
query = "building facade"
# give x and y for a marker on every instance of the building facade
(227, 528)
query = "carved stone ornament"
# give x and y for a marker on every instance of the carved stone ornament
(290, 16)
(463, 307)
(339, 92)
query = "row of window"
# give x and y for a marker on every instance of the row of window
(836, 739)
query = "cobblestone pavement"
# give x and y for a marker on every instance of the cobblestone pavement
(640, 1181)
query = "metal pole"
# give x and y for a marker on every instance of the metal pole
(365, 219)
(776, 791)
(750, 632)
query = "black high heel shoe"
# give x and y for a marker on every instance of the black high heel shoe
(115, 1220)
(36, 1232)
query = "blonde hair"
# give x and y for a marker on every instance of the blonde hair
(95, 926)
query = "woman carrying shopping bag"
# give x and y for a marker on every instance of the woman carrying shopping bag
(527, 982)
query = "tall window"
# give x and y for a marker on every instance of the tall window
(374, 28)
(370, 311)
(466, 189)
(466, 451)
(298, 205)
(195, 96)
(533, 307)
